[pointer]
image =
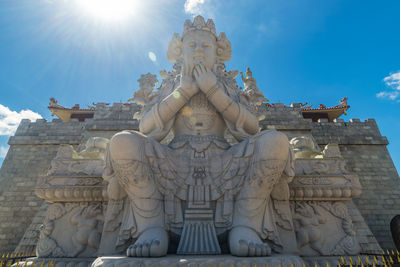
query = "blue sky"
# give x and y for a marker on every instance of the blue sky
(299, 51)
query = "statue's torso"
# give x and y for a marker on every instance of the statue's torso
(199, 117)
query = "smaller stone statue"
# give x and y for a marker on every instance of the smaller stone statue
(251, 90)
(307, 220)
(147, 83)
(88, 233)
(95, 148)
(305, 147)
(146, 93)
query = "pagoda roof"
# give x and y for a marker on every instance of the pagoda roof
(65, 114)
(329, 113)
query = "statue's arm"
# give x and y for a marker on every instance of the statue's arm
(229, 109)
(166, 110)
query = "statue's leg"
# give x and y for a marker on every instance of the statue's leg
(252, 223)
(145, 217)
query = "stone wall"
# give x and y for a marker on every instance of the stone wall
(380, 200)
(32, 148)
(365, 151)
(31, 151)
(109, 120)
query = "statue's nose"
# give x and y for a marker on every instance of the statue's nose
(198, 49)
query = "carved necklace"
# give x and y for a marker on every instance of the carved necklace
(199, 113)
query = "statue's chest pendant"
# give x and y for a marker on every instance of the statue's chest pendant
(199, 114)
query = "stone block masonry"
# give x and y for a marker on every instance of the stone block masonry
(380, 200)
(32, 148)
(31, 151)
(365, 151)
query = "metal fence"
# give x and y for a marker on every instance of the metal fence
(384, 259)
(8, 259)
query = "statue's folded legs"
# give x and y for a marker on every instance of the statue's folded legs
(252, 218)
(253, 221)
(145, 217)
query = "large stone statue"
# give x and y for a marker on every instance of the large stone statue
(199, 187)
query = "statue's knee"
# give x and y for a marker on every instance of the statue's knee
(126, 146)
(273, 145)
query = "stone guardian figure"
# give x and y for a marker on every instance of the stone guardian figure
(199, 187)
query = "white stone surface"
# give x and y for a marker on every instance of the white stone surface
(200, 261)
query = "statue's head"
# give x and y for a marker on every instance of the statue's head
(199, 44)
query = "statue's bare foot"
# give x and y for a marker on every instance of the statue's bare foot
(151, 243)
(244, 242)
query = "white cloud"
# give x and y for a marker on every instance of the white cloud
(392, 82)
(385, 94)
(209, 9)
(3, 151)
(9, 119)
(194, 7)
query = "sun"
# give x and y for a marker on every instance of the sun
(109, 9)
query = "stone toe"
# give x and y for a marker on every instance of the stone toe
(259, 250)
(138, 250)
(131, 251)
(146, 250)
(241, 249)
(252, 249)
(267, 250)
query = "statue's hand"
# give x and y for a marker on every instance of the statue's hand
(205, 78)
(187, 84)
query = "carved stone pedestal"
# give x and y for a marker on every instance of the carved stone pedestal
(200, 261)
(282, 260)
(74, 220)
(317, 207)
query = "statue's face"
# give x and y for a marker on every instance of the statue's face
(199, 48)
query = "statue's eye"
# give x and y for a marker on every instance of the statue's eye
(206, 45)
(192, 45)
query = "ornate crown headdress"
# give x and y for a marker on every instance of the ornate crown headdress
(200, 25)
(224, 51)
